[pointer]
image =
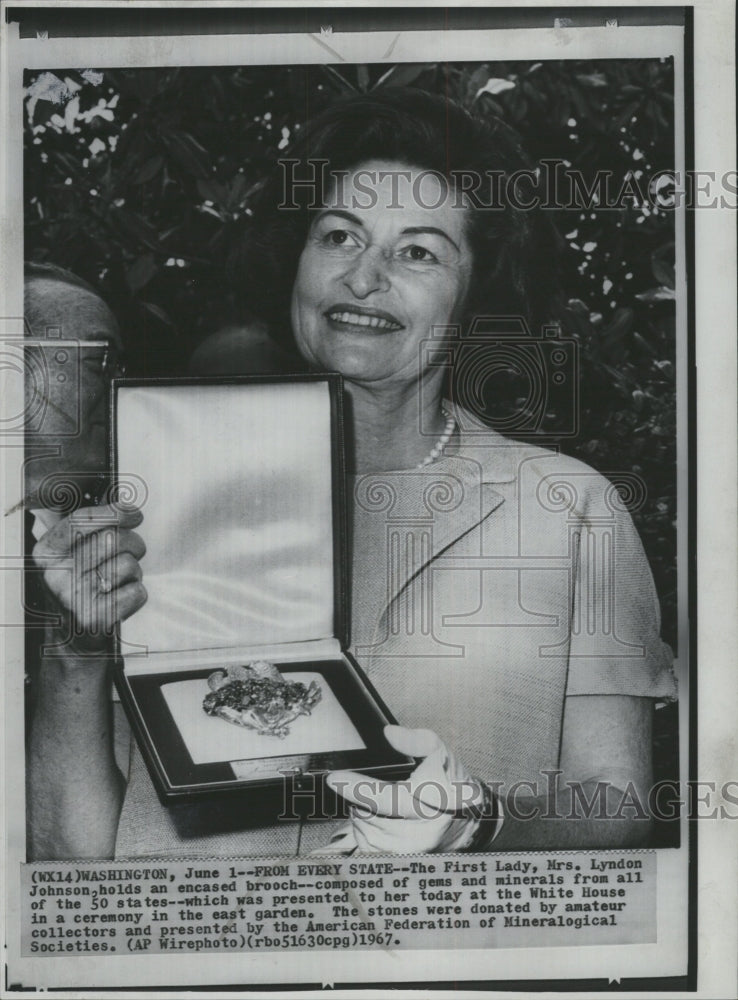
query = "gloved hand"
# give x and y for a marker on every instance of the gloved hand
(438, 808)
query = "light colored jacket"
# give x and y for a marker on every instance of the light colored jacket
(486, 589)
(513, 578)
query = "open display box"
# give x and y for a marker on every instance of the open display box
(241, 486)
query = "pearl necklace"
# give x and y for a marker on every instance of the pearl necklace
(438, 448)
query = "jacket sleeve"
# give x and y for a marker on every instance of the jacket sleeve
(615, 643)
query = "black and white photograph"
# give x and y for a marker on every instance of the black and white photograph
(352, 498)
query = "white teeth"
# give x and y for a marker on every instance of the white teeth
(357, 319)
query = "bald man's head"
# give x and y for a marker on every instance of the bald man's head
(60, 307)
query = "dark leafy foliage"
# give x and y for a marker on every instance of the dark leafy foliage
(139, 181)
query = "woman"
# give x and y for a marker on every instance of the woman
(512, 656)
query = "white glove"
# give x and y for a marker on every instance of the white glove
(440, 807)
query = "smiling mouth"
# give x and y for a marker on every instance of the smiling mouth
(373, 320)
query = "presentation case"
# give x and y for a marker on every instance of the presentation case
(241, 484)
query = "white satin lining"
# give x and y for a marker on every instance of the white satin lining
(237, 517)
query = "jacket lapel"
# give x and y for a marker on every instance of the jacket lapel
(426, 511)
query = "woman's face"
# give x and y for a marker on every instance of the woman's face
(385, 261)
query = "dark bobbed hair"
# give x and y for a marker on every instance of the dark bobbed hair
(514, 250)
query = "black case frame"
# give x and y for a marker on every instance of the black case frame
(156, 732)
